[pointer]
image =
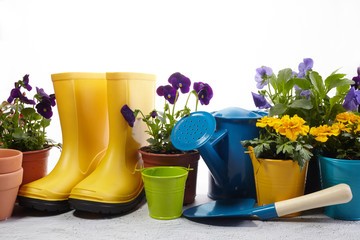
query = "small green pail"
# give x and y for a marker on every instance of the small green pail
(164, 189)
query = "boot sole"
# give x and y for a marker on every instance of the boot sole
(44, 205)
(106, 208)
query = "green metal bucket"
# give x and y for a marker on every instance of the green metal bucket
(164, 189)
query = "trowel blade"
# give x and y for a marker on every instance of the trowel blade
(220, 208)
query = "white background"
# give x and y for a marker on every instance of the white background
(218, 42)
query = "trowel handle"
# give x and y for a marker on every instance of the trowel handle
(337, 194)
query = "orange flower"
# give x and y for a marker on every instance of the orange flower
(292, 127)
(266, 121)
(347, 118)
(323, 132)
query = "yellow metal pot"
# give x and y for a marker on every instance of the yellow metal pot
(277, 180)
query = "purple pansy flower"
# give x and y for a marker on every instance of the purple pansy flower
(205, 94)
(356, 79)
(262, 75)
(168, 92)
(26, 100)
(198, 86)
(52, 100)
(44, 109)
(44, 95)
(260, 101)
(128, 114)
(16, 93)
(26, 82)
(153, 114)
(305, 66)
(41, 92)
(177, 80)
(352, 100)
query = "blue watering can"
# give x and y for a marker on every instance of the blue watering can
(218, 137)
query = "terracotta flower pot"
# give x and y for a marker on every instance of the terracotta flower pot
(10, 160)
(10, 179)
(35, 165)
(183, 160)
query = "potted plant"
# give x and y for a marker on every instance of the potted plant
(339, 148)
(23, 122)
(306, 94)
(160, 151)
(280, 156)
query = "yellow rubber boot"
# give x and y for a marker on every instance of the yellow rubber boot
(82, 105)
(115, 187)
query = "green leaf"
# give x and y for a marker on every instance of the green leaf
(45, 122)
(333, 83)
(278, 109)
(342, 90)
(317, 81)
(288, 149)
(19, 133)
(335, 99)
(151, 141)
(27, 112)
(289, 85)
(274, 82)
(258, 150)
(301, 103)
(302, 83)
(283, 77)
(15, 118)
(35, 116)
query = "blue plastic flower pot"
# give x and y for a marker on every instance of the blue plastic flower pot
(335, 171)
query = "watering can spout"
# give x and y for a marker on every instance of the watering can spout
(197, 131)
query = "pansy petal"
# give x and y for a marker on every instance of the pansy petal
(309, 63)
(128, 114)
(260, 101)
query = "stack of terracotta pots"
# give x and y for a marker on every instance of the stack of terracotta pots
(11, 174)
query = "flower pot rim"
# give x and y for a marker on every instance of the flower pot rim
(18, 152)
(339, 159)
(36, 151)
(275, 160)
(192, 152)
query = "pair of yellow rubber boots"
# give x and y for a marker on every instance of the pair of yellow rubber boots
(96, 171)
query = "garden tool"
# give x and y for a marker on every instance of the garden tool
(218, 137)
(338, 194)
(82, 105)
(115, 186)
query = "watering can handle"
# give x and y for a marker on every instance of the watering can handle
(217, 136)
(337, 194)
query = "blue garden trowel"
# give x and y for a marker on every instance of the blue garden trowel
(338, 194)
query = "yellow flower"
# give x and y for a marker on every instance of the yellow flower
(292, 127)
(323, 132)
(266, 121)
(347, 118)
(357, 129)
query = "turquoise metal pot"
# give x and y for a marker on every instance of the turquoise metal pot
(335, 171)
